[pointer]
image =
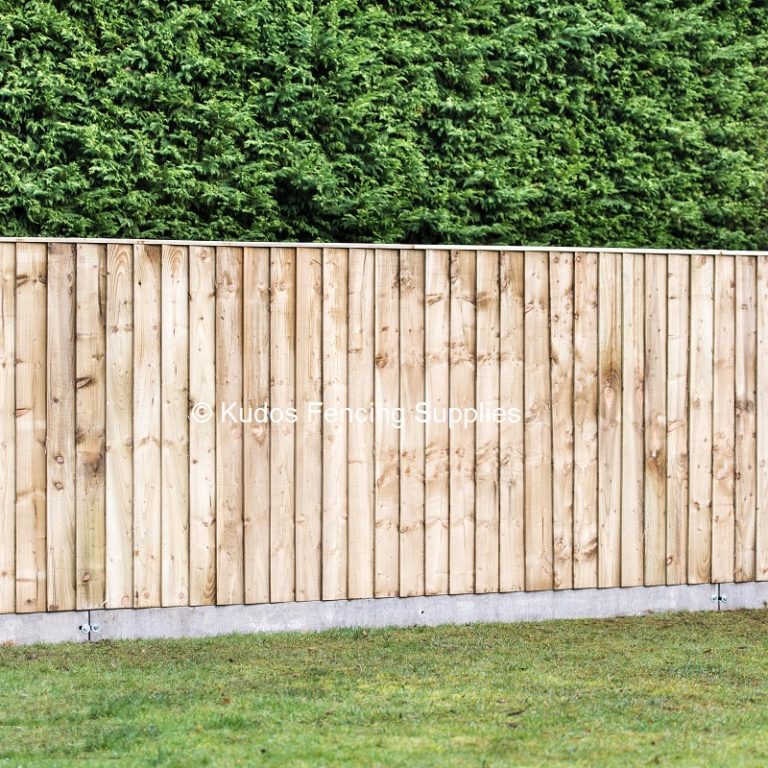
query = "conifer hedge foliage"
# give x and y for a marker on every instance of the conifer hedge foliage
(603, 122)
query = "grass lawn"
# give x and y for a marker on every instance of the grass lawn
(688, 689)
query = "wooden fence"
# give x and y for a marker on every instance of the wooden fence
(627, 441)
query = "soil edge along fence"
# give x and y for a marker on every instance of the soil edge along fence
(197, 423)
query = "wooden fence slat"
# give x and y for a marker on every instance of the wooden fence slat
(335, 274)
(761, 511)
(655, 411)
(282, 577)
(632, 421)
(256, 431)
(723, 458)
(538, 427)
(678, 269)
(360, 466)
(202, 425)
(309, 435)
(387, 439)
(585, 398)
(436, 395)
(31, 277)
(561, 375)
(462, 433)
(609, 420)
(512, 428)
(90, 417)
(60, 447)
(700, 410)
(412, 288)
(119, 447)
(229, 427)
(175, 425)
(487, 497)
(7, 427)
(146, 427)
(745, 397)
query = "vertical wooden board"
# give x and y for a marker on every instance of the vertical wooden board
(538, 427)
(335, 273)
(412, 434)
(511, 429)
(282, 432)
(745, 397)
(700, 429)
(487, 496)
(678, 277)
(561, 375)
(256, 430)
(632, 422)
(437, 331)
(360, 467)
(655, 409)
(119, 392)
(90, 443)
(202, 425)
(31, 277)
(387, 438)
(585, 398)
(60, 447)
(761, 510)
(175, 425)
(229, 427)
(462, 431)
(146, 427)
(723, 458)
(7, 427)
(609, 420)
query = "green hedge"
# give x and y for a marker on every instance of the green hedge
(490, 121)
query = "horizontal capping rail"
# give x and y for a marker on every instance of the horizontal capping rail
(382, 246)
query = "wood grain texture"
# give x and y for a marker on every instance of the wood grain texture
(412, 434)
(609, 420)
(512, 428)
(31, 278)
(7, 427)
(360, 392)
(229, 427)
(387, 439)
(632, 421)
(90, 441)
(202, 425)
(437, 326)
(655, 411)
(256, 430)
(561, 376)
(282, 310)
(746, 427)
(761, 506)
(538, 425)
(462, 432)
(335, 509)
(119, 394)
(175, 425)
(678, 269)
(60, 446)
(585, 400)
(700, 419)
(146, 427)
(723, 456)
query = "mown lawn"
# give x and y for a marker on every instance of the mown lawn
(665, 690)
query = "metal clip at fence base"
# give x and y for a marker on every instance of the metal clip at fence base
(719, 598)
(88, 628)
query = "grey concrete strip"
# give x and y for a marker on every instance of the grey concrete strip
(209, 621)
(26, 628)
(750, 594)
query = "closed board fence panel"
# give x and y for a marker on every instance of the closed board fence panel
(219, 424)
